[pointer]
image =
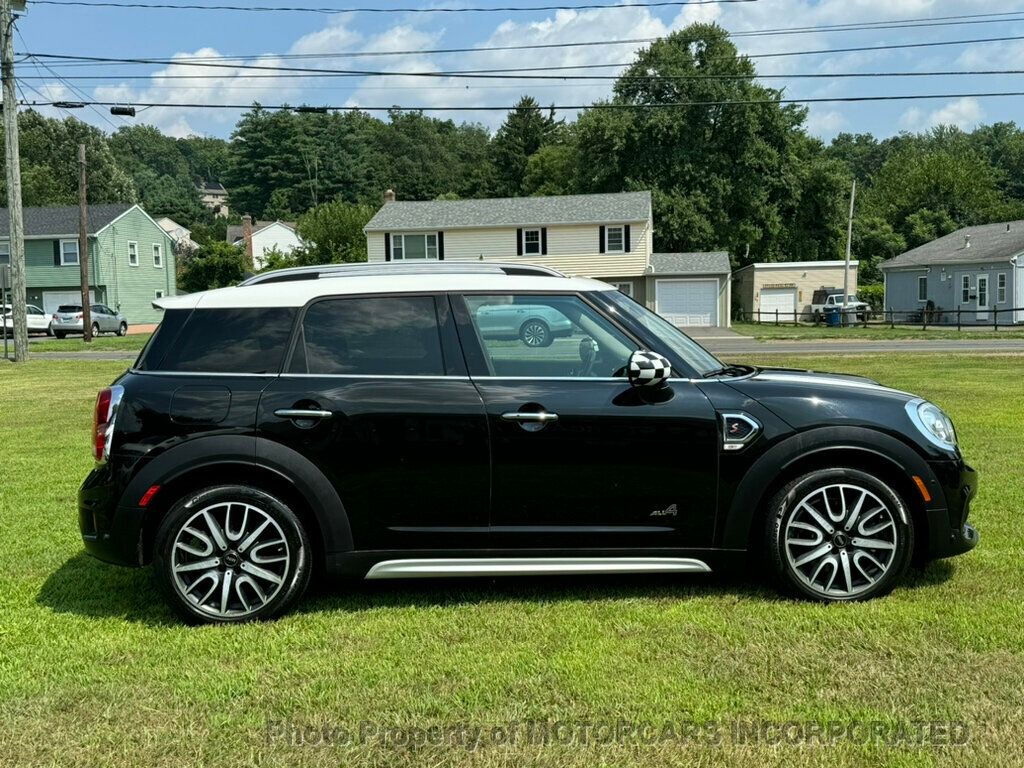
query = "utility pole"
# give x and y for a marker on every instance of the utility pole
(83, 244)
(19, 310)
(849, 245)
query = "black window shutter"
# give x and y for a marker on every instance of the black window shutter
(440, 246)
(56, 253)
(544, 241)
(519, 242)
(387, 246)
(600, 240)
(625, 237)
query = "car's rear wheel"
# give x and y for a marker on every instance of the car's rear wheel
(837, 535)
(122, 329)
(535, 333)
(59, 334)
(95, 330)
(231, 553)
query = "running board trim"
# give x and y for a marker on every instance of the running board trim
(427, 568)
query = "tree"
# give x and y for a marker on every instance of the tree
(333, 232)
(526, 129)
(215, 265)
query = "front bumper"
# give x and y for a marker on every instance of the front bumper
(950, 533)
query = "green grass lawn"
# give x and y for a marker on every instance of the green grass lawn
(105, 343)
(94, 670)
(768, 331)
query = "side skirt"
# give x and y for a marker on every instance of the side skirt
(530, 566)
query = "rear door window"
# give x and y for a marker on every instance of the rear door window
(386, 336)
(221, 341)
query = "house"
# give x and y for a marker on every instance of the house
(131, 258)
(183, 243)
(605, 236)
(979, 270)
(786, 287)
(213, 195)
(690, 289)
(262, 237)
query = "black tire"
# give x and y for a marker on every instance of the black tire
(59, 334)
(95, 330)
(122, 329)
(782, 557)
(294, 576)
(535, 333)
(49, 331)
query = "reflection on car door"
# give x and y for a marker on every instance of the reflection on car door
(376, 395)
(579, 457)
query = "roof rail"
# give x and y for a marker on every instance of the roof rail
(322, 271)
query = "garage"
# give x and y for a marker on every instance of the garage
(688, 302)
(781, 300)
(53, 299)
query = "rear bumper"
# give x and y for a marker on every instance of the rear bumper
(110, 531)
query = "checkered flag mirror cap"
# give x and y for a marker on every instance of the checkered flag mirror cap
(648, 369)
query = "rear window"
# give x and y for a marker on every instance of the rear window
(69, 308)
(220, 341)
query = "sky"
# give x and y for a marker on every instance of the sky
(262, 37)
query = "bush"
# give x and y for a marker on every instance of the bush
(873, 295)
(215, 265)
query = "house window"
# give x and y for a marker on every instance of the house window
(1001, 288)
(412, 247)
(922, 288)
(159, 294)
(133, 254)
(68, 253)
(158, 256)
(965, 289)
(626, 288)
(5, 253)
(531, 242)
(614, 240)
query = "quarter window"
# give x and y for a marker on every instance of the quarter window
(158, 256)
(965, 289)
(531, 242)
(392, 336)
(922, 288)
(224, 341)
(1001, 288)
(547, 337)
(133, 254)
(414, 247)
(68, 253)
(615, 240)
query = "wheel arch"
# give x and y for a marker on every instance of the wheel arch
(232, 460)
(865, 449)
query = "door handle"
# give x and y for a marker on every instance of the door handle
(302, 413)
(541, 417)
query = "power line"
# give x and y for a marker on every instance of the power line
(309, 9)
(489, 74)
(563, 107)
(980, 18)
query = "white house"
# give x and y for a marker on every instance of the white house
(182, 236)
(607, 236)
(263, 237)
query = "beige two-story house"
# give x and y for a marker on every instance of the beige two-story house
(605, 236)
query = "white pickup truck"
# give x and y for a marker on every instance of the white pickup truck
(828, 298)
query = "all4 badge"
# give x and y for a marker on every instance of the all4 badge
(670, 511)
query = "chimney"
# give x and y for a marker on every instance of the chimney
(247, 237)
(967, 241)
(389, 196)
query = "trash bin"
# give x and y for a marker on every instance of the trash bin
(833, 317)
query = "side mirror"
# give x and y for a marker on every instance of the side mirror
(648, 369)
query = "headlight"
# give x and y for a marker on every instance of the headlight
(933, 423)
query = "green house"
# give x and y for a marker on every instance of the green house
(131, 259)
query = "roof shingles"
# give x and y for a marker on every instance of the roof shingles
(512, 212)
(62, 220)
(988, 242)
(712, 263)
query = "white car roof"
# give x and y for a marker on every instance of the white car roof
(298, 293)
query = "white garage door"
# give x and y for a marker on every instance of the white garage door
(687, 302)
(53, 299)
(781, 299)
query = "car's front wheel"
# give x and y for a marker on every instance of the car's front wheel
(231, 553)
(535, 333)
(122, 329)
(838, 535)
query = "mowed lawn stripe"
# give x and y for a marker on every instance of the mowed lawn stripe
(94, 670)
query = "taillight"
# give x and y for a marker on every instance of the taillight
(103, 421)
(79, 316)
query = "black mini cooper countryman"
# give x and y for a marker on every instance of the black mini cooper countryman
(388, 422)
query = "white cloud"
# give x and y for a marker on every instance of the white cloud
(825, 123)
(964, 113)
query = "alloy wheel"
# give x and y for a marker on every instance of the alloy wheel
(230, 559)
(840, 540)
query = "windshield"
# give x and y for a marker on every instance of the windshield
(698, 358)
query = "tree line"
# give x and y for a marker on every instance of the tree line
(737, 176)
